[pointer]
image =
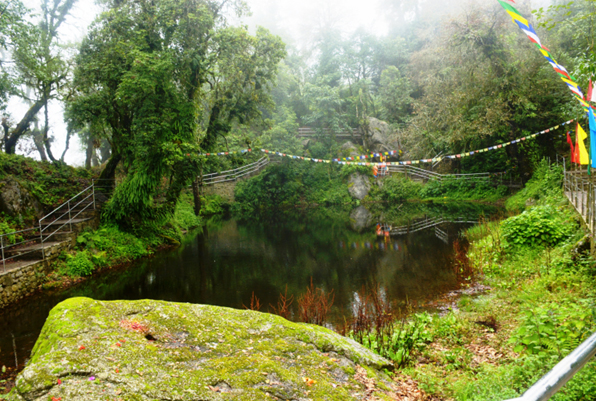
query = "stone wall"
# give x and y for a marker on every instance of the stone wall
(21, 282)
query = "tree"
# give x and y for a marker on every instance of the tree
(39, 66)
(166, 79)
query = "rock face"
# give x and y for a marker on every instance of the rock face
(380, 137)
(15, 200)
(139, 350)
(358, 186)
(349, 149)
(360, 218)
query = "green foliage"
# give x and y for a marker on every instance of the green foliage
(51, 184)
(184, 214)
(395, 188)
(545, 184)
(290, 184)
(540, 226)
(79, 264)
(407, 336)
(554, 327)
(460, 189)
(213, 205)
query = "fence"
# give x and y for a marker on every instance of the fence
(311, 132)
(235, 174)
(31, 242)
(424, 174)
(580, 190)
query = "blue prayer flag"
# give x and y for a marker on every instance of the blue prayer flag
(592, 136)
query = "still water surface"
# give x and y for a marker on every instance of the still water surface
(230, 260)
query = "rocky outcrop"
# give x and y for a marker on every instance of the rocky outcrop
(361, 218)
(379, 137)
(358, 186)
(16, 201)
(139, 350)
(349, 149)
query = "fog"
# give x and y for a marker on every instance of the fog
(297, 22)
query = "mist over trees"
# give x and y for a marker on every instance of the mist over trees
(155, 83)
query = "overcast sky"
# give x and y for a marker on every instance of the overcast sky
(294, 20)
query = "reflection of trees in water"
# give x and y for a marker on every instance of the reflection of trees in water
(226, 263)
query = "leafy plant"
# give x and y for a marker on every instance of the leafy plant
(79, 264)
(554, 328)
(540, 226)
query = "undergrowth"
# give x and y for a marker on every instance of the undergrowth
(542, 305)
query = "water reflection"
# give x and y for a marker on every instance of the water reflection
(230, 260)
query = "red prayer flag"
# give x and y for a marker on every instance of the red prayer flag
(570, 142)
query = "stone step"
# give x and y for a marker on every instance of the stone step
(29, 252)
(64, 222)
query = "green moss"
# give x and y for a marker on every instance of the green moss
(197, 350)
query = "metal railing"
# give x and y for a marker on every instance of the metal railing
(548, 385)
(580, 190)
(424, 224)
(29, 241)
(311, 132)
(410, 170)
(235, 174)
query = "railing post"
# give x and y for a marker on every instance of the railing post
(93, 190)
(43, 253)
(69, 219)
(2, 247)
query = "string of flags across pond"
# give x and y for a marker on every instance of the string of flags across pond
(354, 159)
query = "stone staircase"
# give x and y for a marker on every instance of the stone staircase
(56, 232)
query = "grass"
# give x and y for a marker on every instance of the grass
(541, 306)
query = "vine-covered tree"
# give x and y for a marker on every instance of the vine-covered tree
(164, 79)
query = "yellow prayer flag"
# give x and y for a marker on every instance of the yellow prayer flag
(584, 157)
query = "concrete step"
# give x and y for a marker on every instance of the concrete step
(29, 252)
(65, 222)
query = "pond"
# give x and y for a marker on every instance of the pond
(229, 260)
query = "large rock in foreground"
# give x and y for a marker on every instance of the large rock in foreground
(132, 350)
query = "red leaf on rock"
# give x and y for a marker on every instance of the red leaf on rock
(81, 347)
(56, 399)
(59, 381)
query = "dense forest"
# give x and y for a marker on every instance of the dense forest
(154, 84)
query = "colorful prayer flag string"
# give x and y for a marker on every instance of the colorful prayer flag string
(343, 161)
(527, 28)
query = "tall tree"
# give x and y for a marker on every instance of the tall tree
(166, 78)
(39, 66)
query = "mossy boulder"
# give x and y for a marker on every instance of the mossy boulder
(146, 349)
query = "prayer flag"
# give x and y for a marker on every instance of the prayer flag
(592, 135)
(570, 142)
(582, 156)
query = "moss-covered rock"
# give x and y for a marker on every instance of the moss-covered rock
(132, 350)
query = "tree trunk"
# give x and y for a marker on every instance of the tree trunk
(109, 172)
(38, 141)
(196, 194)
(10, 143)
(46, 140)
(89, 151)
(67, 145)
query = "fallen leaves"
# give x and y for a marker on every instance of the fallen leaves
(406, 389)
(309, 381)
(369, 383)
(134, 326)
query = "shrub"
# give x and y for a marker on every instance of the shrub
(540, 226)
(544, 184)
(79, 264)
(396, 189)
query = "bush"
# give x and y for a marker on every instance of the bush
(545, 184)
(478, 189)
(396, 189)
(540, 226)
(79, 264)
